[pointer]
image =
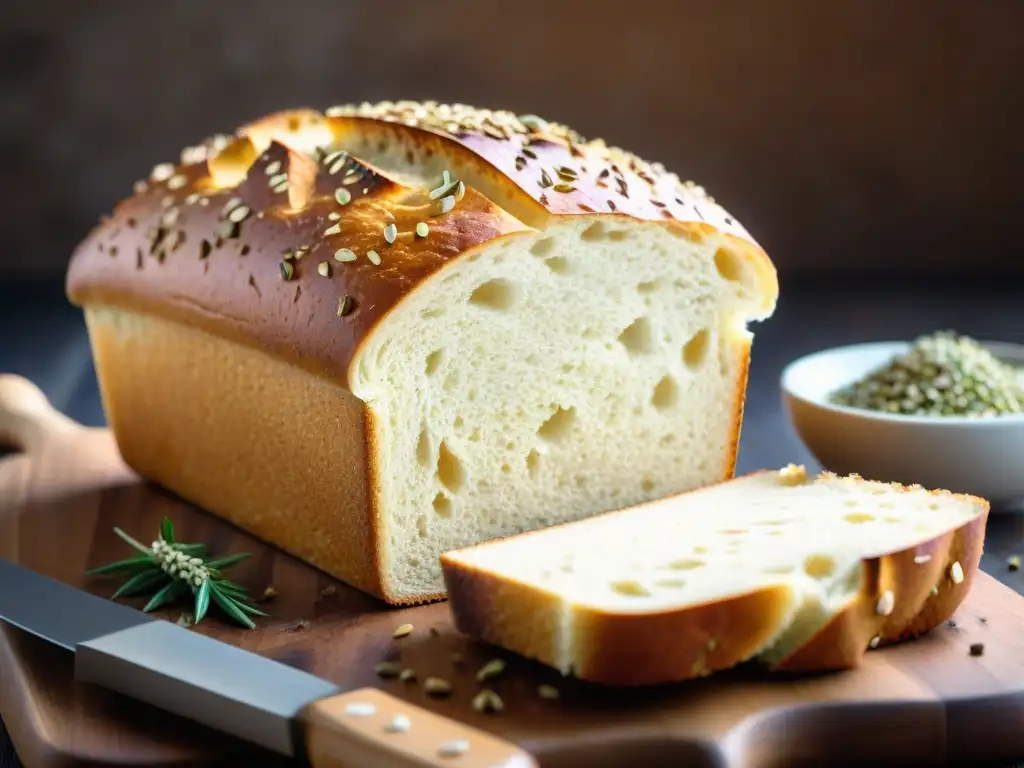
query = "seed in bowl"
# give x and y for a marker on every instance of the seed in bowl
(942, 374)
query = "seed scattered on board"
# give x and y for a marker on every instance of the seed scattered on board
(360, 709)
(492, 668)
(453, 748)
(1013, 562)
(403, 631)
(437, 686)
(487, 701)
(388, 669)
(547, 692)
(398, 724)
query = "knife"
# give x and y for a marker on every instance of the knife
(259, 700)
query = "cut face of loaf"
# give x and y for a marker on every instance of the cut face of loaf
(378, 335)
(803, 574)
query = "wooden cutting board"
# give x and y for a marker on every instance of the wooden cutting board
(924, 702)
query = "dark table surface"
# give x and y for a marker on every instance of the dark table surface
(44, 339)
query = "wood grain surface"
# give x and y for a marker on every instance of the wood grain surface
(925, 702)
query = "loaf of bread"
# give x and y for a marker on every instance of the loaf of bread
(804, 574)
(377, 334)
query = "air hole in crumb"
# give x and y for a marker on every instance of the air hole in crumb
(647, 485)
(543, 247)
(666, 393)
(495, 294)
(423, 452)
(474, 436)
(617, 235)
(733, 531)
(700, 550)
(421, 525)
(429, 314)
(449, 469)
(858, 517)
(593, 233)
(459, 423)
(776, 532)
(891, 519)
(505, 468)
(532, 462)
(629, 588)
(638, 338)
(819, 566)
(647, 286)
(442, 505)
(557, 264)
(580, 481)
(687, 564)
(433, 361)
(451, 381)
(670, 583)
(778, 569)
(667, 439)
(558, 424)
(934, 507)
(887, 505)
(775, 522)
(729, 264)
(695, 351)
(850, 503)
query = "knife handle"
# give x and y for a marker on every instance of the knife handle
(27, 419)
(367, 728)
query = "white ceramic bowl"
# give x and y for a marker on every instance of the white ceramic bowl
(981, 456)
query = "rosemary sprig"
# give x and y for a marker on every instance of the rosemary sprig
(170, 571)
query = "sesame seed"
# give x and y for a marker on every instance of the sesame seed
(1013, 562)
(170, 217)
(342, 195)
(529, 153)
(344, 254)
(520, 163)
(874, 641)
(437, 686)
(388, 669)
(324, 268)
(956, 572)
(921, 559)
(351, 177)
(336, 166)
(547, 692)
(492, 668)
(565, 173)
(403, 631)
(273, 168)
(545, 180)
(453, 748)
(346, 304)
(239, 214)
(564, 188)
(487, 701)
(443, 190)
(390, 233)
(977, 649)
(407, 675)
(333, 230)
(139, 187)
(398, 724)
(422, 229)
(360, 709)
(204, 249)
(341, 154)
(447, 203)
(374, 257)
(278, 178)
(534, 123)
(886, 603)
(334, 216)
(281, 187)
(192, 199)
(161, 172)
(287, 270)
(176, 182)
(460, 190)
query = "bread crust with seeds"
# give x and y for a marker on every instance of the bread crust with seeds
(230, 297)
(647, 648)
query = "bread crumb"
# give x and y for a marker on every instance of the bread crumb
(268, 594)
(793, 474)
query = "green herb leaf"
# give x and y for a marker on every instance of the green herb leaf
(223, 563)
(168, 594)
(232, 589)
(247, 608)
(230, 608)
(192, 550)
(123, 566)
(144, 550)
(141, 583)
(202, 600)
(167, 530)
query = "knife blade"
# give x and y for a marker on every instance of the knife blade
(259, 700)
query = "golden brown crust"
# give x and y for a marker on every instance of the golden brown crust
(176, 253)
(649, 648)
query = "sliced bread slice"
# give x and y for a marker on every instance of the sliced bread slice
(802, 573)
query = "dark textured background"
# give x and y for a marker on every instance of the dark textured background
(847, 135)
